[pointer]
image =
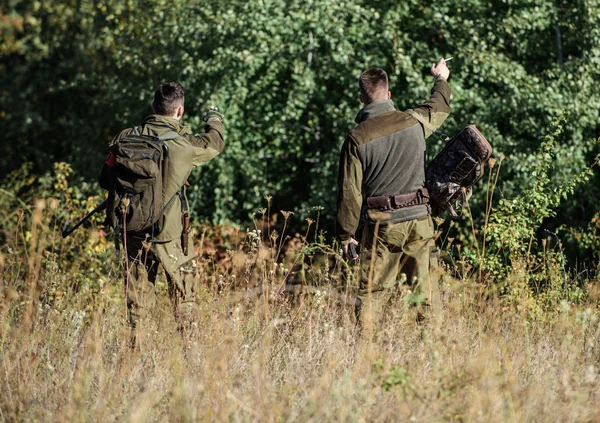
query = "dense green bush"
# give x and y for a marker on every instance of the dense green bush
(74, 73)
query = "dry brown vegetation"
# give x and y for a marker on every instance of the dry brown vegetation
(282, 357)
(276, 339)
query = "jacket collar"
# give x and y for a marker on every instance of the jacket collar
(375, 109)
(167, 122)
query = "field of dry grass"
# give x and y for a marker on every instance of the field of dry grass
(276, 357)
(275, 338)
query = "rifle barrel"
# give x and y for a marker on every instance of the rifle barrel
(100, 207)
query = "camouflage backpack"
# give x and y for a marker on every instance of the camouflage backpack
(135, 172)
(451, 175)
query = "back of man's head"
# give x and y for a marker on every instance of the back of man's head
(373, 85)
(167, 98)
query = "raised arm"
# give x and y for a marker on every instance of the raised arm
(208, 145)
(437, 108)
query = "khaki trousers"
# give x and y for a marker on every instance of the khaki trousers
(400, 248)
(181, 273)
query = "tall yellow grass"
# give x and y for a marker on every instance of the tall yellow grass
(263, 354)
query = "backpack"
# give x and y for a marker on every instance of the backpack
(451, 175)
(136, 170)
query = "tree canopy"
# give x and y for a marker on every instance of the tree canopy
(74, 73)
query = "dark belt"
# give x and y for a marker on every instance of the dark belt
(400, 201)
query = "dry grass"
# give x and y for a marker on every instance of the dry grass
(253, 359)
(64, 354)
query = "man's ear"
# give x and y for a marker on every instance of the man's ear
(179, 112)
(389, 95)
(153, 109)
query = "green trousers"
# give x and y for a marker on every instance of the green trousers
(180, 270)
(400, 248)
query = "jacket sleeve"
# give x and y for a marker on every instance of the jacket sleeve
(349, 200)
(437, 108)
(208, 145)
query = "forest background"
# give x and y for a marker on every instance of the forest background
(74, 73)
(276, 336)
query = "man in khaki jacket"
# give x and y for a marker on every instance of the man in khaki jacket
(186, 152)
(381, 185)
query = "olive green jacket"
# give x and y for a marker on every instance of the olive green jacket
(383, 156)
(185, 154)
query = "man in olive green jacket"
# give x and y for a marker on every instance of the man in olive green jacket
(186, 152)
(381, 185)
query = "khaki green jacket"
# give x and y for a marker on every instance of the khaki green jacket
(185, 154)
(383, 156)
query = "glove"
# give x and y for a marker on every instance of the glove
(213, 114)
(350, 250)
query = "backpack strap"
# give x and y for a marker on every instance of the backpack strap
(171, 135)
(452, 212)
(177, 194)
(465, 194)
(136, 130)
(181, 194)
(427, 125)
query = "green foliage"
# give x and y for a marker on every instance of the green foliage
(588, 238)
(394, 378)
(515, 221)
(34, 258)
(515, 248)
(75, 73)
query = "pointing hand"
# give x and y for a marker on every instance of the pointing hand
(440, 70)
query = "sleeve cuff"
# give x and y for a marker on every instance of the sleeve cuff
(215, 124)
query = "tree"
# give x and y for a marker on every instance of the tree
(285, 73)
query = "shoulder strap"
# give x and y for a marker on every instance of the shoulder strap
(427, 125)
(177, 194)
(181, 194)
(136, 130)
(171, 135)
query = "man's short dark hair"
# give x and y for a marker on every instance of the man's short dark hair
(371, 82)
(167, 98)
